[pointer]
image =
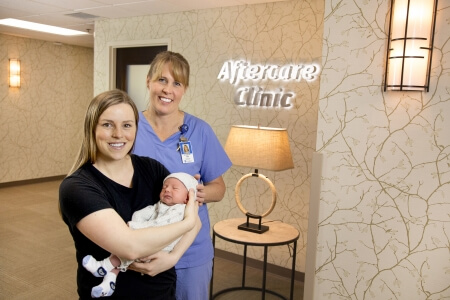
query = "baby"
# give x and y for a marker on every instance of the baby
(173, 197)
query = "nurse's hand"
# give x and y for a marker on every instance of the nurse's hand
(212, 191)
(201, 194)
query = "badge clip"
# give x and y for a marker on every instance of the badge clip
(183, 129)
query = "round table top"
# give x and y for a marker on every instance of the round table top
(279, 233)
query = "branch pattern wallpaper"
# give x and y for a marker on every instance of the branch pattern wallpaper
(384, 216)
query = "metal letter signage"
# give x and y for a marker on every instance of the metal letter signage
(239, 71)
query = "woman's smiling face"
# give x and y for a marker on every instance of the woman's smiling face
(165, 92)
(115, 132)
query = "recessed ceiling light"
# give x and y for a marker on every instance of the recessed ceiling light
(82, 15)
(40, 27)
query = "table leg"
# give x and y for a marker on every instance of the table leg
(264, 274)
(293, 269)
(244, 265)
(212, 274)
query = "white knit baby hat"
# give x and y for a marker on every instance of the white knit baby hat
(188, 180)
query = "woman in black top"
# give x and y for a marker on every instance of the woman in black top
(103, 189)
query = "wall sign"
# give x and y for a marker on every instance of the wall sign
(246, 95)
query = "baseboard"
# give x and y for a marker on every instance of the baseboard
(31, 181)
(254, 263)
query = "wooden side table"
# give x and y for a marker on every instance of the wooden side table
(279, 234)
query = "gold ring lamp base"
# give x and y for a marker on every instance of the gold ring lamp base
(248, 226)
(258, 148)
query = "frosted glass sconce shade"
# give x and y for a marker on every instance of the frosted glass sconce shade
(14, 72)
(410, 45)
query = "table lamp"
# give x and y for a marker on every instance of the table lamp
(260, 148)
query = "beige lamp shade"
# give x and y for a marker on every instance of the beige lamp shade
(259, 147)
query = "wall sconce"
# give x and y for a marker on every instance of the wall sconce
(14, 72)
(260, 148)
(410, 45)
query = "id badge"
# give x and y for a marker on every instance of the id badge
(187, 156)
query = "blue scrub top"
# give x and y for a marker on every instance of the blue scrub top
(210, 161)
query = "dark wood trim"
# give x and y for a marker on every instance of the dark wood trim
(254, 263)
(133, 56)
(31, 181)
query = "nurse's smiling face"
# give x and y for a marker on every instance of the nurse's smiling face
(115, 132)
(165, 92)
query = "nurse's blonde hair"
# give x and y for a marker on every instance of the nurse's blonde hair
(179, 67)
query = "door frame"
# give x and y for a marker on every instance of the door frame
(112, 50)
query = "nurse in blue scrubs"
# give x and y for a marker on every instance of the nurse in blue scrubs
(182, 143)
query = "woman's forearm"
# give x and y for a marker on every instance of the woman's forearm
(156, 238)
(116, 237)
(185, 242)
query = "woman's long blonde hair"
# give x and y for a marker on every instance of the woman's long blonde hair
(88, 149)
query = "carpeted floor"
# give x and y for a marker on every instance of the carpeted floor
(37, 256)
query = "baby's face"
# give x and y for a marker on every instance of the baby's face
(173, 192)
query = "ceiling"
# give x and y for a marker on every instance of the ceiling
(82, 14)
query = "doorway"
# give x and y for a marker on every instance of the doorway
(130, 68)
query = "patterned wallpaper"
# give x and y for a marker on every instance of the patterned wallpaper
(40, 121)
(282, 33)
(384, 215)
